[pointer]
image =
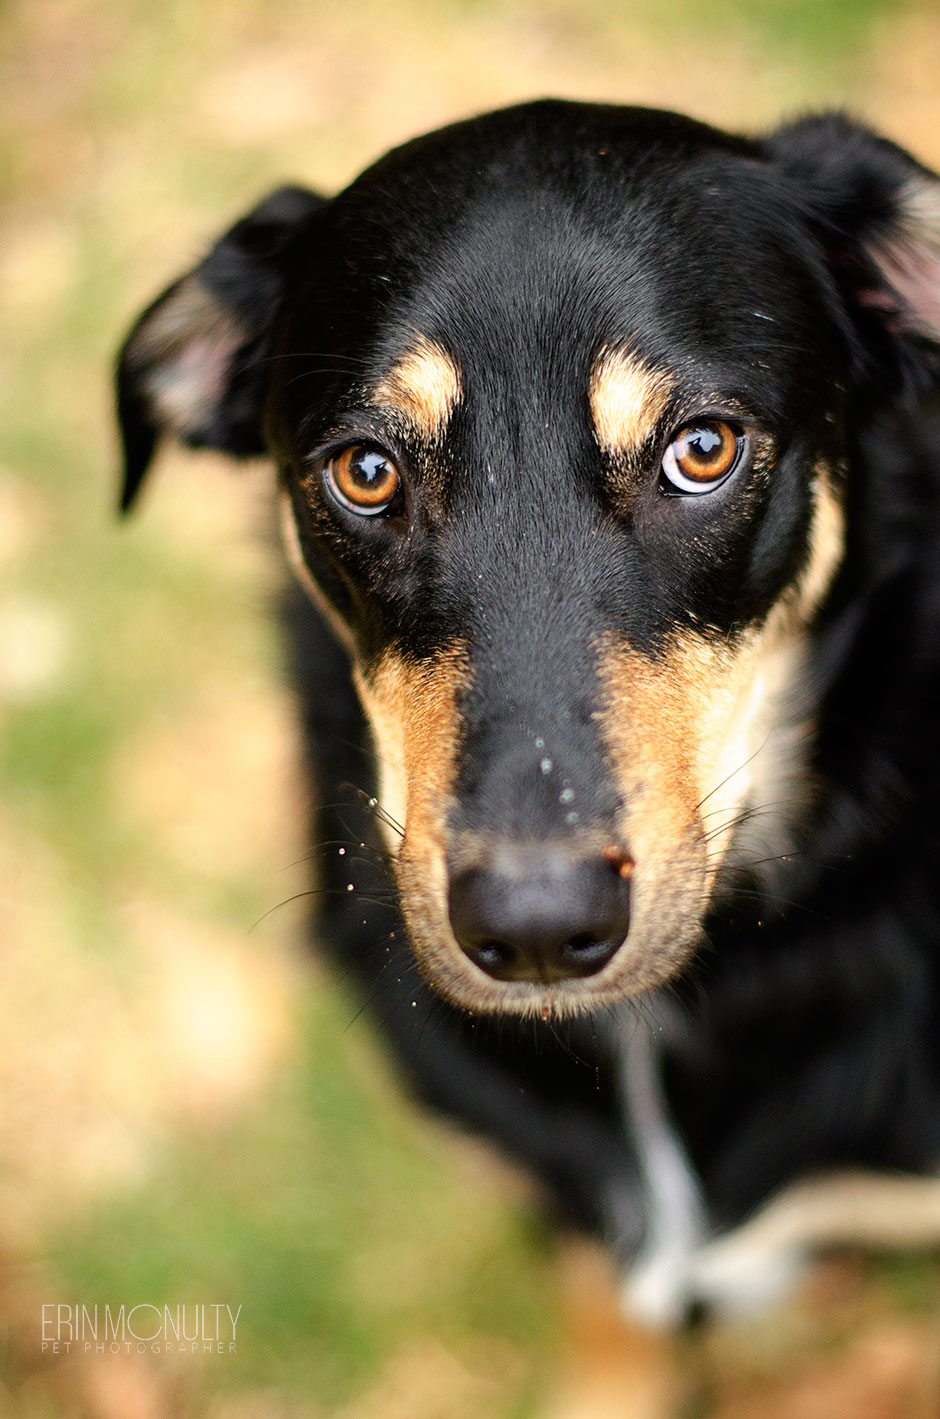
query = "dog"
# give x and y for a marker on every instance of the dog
(609, 464)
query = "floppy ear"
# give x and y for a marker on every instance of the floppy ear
(193, 365)
(876, 212)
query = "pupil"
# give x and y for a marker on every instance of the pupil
(706, 444)
(370, 469)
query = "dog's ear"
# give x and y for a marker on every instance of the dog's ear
(193, 365)
(876, 212)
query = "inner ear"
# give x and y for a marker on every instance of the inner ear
(907, 256)
(193, 366)
(876, 214)
(181, 356)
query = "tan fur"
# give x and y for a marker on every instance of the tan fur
(777, 770)
(675, 729)
(696, 736)
(873, 1210)
(628, 398)
(384, 692)
(615, 1369)
(425, 386)
(412, 710)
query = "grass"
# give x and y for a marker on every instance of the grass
(191, 1113)
(329, 1292)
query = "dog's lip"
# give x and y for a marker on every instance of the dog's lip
(470, 988)
(638, 967)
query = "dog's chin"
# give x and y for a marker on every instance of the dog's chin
(636, 969)
(667, 914)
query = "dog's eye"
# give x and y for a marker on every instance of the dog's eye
(362, 479)
(702, 455)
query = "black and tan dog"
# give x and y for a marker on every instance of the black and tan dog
(607, 461)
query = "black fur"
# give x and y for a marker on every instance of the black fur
(803, 1034)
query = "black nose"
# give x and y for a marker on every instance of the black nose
(536, 912)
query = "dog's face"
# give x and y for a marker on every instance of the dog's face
(559, 399)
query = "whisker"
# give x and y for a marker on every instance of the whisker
(370, 996)
(772, 899)
(757, 807)
(390, 901)
(356, 361)
(762, 861)
(728, 777)
(379, 855)
(745, 816)
(375, 807)
(563, 1044)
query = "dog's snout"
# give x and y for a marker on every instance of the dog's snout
(538, 912)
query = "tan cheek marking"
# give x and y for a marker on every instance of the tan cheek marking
(628, 398)
(768, 739)
(412, 709)
(660, 725)
(425, 386)
(687, 733)
(412, 712)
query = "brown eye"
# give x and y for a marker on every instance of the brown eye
(362, 479)
(702, 455)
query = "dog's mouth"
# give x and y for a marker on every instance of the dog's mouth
(551, 928)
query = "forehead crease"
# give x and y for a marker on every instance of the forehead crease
(628, 398)
(425, 385)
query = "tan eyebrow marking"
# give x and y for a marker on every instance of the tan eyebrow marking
(425, 385)
(628, 398)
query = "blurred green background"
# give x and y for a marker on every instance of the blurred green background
(191, 1110)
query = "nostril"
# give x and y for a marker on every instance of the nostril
(582, 946)
(494, 957)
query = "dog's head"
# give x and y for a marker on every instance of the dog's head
(560, 400)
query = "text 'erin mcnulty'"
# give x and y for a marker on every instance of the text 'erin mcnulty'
(205, 1329)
